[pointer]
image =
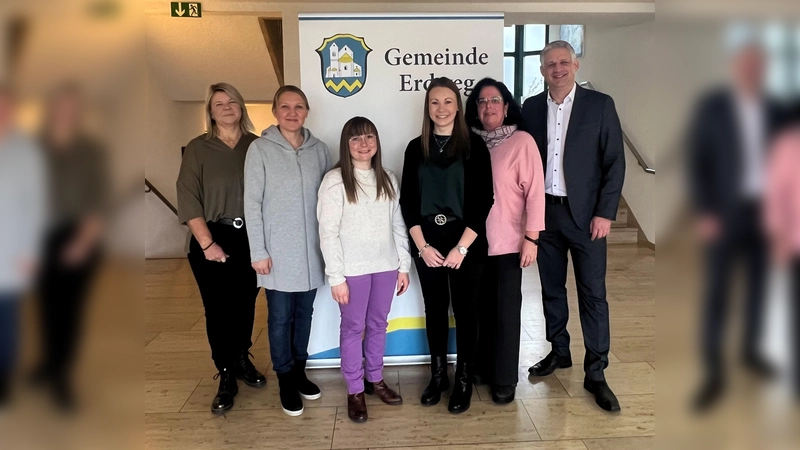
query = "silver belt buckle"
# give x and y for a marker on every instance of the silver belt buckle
(440, 219)
(238, 223)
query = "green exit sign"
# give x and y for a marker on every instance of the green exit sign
(181, 9)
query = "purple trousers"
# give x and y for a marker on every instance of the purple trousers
(365, 315)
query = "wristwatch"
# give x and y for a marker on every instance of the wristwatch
(461, 249)
(529, 239)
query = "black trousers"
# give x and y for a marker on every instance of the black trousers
(499, 323)
(741, 240)
(562, 235)
(62, 296)
(441, 285)
(228, 291)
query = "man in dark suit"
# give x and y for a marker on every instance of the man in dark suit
(727, 141)
(580, 139)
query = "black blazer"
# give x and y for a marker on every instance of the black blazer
(478, 189)
(594, 162)
(716, 154)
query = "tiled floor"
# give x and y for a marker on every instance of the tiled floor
(551, 413)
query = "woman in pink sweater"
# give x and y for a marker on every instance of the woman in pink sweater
(512, 229)
(782, 202)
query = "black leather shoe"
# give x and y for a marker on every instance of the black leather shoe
(760, 367)
(305, 387)
(291, 402)
(503, 394)
(228, 388)
(708, 395)
(369, 387)
(549, 364)
(602, 395)
(439, 381)
(247, 371)
(461, 397)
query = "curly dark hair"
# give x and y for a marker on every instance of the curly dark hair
(471, 114)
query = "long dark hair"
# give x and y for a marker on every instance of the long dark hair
(459, 140)
(471, 115)
(360, 126)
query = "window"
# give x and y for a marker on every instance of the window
(522, 45)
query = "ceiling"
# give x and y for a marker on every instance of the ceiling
(186, 56)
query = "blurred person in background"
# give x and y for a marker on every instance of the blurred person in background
(78, 194)
(727, 143)
(211, 203)
(22, 201)
(782, 218)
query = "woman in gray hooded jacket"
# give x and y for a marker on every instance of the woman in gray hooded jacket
(283, 172)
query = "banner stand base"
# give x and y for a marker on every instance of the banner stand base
(334, 363)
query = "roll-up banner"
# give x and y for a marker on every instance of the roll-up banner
(379, 66)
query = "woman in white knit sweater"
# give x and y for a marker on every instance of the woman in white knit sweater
(365, 246)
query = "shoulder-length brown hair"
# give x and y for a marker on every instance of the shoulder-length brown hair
(459, 140)
(361, 126)
(245, 124)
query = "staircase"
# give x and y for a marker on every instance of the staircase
(624, 229)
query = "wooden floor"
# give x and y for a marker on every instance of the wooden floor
(553, 413)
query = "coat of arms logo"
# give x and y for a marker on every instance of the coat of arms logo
(343, 60)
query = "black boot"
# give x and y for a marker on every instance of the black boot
(305, 387)
(439, 381)
(462, 390)
(247, 371)
(228, 388)
(290, 398)
(5, 389)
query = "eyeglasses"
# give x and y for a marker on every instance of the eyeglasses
(368, 138)
(493, 100)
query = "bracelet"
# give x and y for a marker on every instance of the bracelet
(423, 249)
(529, 239)
(209, 245)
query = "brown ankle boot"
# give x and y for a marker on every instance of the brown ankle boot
(386, 394)
(357, 407)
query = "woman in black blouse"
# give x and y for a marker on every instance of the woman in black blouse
(446, 195)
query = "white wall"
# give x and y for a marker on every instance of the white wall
(619, 61)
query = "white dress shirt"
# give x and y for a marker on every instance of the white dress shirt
(750, 115)
(557, 123)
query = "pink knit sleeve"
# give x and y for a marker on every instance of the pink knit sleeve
(532, 180)
(780, 172)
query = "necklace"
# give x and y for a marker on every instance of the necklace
(441, 144)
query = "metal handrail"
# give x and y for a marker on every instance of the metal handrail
(627, 140)
(148, 187)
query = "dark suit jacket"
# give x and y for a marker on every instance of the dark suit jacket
(716, 153)
(594, 162)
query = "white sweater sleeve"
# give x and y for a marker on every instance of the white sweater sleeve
(330, 204)
(399, 230)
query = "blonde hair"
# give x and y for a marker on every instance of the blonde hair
(245, 124)
(289, 88)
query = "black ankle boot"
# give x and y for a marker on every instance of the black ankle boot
(439, 381)
(228, 388)
(462, 390)
(247, 371)
(291, 402)
(305, 387)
